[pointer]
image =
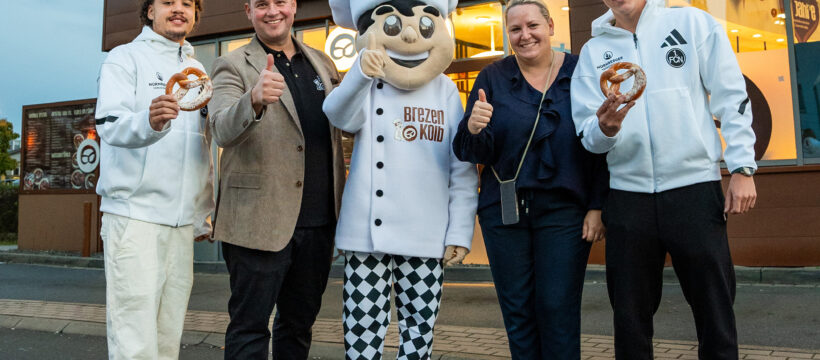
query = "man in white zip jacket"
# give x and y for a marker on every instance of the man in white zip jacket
(664, 155)
(155, 183)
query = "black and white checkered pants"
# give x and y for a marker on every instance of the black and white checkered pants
(368, 279)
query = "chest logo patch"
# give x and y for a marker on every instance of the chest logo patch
(319, 85)
(673, 39)
(675, 57)
(419, 124)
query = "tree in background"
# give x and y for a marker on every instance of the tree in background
(8, 192)
(6, 136)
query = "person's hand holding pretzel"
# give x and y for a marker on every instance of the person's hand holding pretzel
(268, 88)
(481, 114)
(610, 118)
(163, 109)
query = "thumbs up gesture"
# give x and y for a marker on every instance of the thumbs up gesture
(372, 58)
(268, 88)
(482, 112)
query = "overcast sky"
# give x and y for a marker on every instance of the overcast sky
(50, 50)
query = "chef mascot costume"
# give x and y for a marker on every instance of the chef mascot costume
(409, 205)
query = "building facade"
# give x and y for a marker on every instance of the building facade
(775, 42)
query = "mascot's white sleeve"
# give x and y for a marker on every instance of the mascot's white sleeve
(463, 184)
(346, 105)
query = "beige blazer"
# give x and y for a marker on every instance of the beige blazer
(262, 167)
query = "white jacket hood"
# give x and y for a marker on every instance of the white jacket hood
(162, 45)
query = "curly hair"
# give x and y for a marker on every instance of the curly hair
(150, 23)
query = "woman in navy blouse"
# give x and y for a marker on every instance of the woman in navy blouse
(538, 263)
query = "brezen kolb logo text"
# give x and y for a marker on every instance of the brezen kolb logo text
(675, 57)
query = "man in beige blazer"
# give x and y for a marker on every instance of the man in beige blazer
(281, 178)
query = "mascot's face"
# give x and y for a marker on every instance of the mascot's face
(417, 45)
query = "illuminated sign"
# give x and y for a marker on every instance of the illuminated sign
(341, 47)
(805, 18)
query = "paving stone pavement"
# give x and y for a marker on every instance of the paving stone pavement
(466, 342)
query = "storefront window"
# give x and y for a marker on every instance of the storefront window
(805, 19)
(337, 42)
(464, 82)
(314, 37)
(479, 31)
(206, 54)
(231, 45)
(479, 34)
(757, 32)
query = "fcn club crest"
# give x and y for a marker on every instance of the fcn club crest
(675, 57)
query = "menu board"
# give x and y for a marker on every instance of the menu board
(61, 148)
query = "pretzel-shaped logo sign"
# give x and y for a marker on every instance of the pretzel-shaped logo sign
(185, 84)
(611, 76)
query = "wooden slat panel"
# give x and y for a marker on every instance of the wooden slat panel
(128, 22)
(786, 190)
(578, 39)
(776, 251)
(115, 7)
(580, 18)
(776, 222)
(221, 24)
(574, 3)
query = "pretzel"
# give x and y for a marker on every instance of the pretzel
(185, 84)
(611, 76)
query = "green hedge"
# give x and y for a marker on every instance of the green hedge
(8, 210)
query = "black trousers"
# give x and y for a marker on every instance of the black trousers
(292, 279)
(688, 223)
(538, 268)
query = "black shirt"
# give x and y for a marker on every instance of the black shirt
(556, 159)
(308, 93)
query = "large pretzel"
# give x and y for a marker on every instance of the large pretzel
(185, 84)
(611, 76)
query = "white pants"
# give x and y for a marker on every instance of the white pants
(149, 272)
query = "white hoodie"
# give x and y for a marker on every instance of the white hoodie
(162, 177)
(668, 139)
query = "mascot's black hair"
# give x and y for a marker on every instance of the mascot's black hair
(405, 7)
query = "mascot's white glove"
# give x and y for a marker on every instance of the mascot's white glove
(372, 59)
(454, 254)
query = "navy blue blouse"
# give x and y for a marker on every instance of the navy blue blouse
(556, 159)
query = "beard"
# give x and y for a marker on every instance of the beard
(175, 35)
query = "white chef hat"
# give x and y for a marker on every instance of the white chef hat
(347, 12)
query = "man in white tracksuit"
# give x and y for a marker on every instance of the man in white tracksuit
(155, 183)
(664, 156)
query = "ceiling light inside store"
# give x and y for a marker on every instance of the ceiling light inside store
(565, 8)
(492, 52)
(734, 30)
(781, 40)
(756, 35)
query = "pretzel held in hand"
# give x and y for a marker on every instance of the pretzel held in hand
(611, 76)
(185, 84)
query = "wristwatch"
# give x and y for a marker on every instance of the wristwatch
(744, 170)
